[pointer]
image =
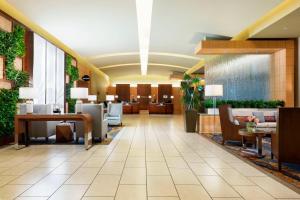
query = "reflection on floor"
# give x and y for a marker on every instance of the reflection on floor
(151, 158)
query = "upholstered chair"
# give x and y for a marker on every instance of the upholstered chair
(114, 113)
(100, 126)
(230, 128)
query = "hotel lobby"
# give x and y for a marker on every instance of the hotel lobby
(149, 100)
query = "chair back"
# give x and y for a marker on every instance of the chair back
(115, 109)
(38, 108)
(226, 118)
(97, 113)
(288, 135)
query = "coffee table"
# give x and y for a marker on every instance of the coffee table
(259, 134)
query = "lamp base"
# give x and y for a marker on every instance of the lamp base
(78, 107)
(29, 107)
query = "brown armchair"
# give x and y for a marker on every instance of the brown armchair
(286, 141)
(230, 130)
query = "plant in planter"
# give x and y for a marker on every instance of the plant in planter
(191, 89)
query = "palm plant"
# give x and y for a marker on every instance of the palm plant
(191, 88)
(191, 99)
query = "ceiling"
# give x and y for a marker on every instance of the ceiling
(106, 31)
(287, 27)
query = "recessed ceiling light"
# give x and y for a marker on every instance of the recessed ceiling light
(144, 15)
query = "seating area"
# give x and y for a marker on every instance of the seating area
(149, 100)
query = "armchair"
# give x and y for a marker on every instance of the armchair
(99, 124)
(40, 128)
(114, 114)
(229, 128)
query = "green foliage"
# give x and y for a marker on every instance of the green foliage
(12, 45)
(8, 102)
(246, 103)
(73, 73)
(71, 70)
(191, 88)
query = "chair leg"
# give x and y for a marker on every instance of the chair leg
(279, 166)
(223, 141)
(77, 139)
(47, 139)
(272, 156)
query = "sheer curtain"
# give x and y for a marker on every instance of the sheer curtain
(48, 72)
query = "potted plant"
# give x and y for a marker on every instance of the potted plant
(191, 88)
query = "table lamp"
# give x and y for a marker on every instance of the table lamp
(28, 94)
(92, 98)
(110, 98)
(79, 94)
(214, 91)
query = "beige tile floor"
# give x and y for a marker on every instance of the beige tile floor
(151, 158)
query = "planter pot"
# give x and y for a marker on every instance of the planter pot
(191, 118)
(6, 139)
(211, 111)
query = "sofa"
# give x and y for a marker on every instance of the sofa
(38, 129)
(267, 117)
(99, 123)
(114, 114)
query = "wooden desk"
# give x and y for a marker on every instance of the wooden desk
(21, 125)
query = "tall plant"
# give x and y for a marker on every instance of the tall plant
(191, 89)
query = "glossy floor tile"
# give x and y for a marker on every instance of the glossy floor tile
(152, 158)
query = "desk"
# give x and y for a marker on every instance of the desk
(21, 125)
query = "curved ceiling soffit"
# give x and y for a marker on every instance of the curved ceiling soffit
(137, 64)
(91, 58)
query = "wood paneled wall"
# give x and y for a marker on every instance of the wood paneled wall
(123, 92)
(284, 62)
(144, 90)
(176, 92)
(164, 89)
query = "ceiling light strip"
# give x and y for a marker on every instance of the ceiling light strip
(144, 14)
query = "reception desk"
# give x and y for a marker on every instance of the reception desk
(156, 108)
(132, 108)
(207, 123)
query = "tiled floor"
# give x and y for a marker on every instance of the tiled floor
(151, 158)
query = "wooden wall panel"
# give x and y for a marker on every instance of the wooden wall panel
(144, 90)
(18, 63)
(164, 89)
(111, 90)
(133, 93)
(123, 92)
(5, 24)
(177, 100)
(154, 93)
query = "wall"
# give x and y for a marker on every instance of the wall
(176, 92)
(297, 84)
(242, 76)
(99, 85)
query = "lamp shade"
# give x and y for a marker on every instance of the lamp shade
(79, 93)
(110, 97)
(214, 90)
(92, 98)
(27, 93)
